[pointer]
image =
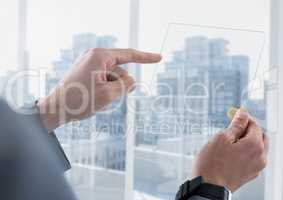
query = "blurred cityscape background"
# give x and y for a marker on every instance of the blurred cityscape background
(193, 92)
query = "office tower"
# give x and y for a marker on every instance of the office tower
(85, 41)
(227, 75)
(82, 42)
(197, 86)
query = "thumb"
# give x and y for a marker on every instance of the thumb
(121, 86)
(239, 124)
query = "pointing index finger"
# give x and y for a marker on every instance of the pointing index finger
(123, 56)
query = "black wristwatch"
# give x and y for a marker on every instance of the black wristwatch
(197, 187)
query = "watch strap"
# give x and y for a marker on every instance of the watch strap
(187, 189)
(213, 192)
(197, 187)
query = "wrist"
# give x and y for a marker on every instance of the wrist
(49, 114)
(217, 180)
(198, 187)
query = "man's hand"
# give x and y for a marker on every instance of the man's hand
(95, 80)
(235, 156)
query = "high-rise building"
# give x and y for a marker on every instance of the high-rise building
(85, 41)
(197, 87)
(211, 71)
(82, 42)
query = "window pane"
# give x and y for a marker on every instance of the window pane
(8, 40)
(59, 32)
(195, 60)
(9, 34)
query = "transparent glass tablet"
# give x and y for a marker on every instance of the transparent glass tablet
(206, 70)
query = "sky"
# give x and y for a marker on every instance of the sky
(8, 35)
(52, 24)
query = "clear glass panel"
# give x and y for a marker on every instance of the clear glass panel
(9, 41)
(210, 69)
(9, 34)
(197, 58)
(59, 31)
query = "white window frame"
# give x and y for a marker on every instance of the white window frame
(22, 57)
(133, 69)
(274, 173)
(130, 133)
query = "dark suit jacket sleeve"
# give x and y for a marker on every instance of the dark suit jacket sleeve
(64, 162)
(32, 161)
(60, 152)
(32, 116)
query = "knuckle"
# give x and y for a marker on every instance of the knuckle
(260, 164)
(259, 149)
(258, 155)
(241, 120)
(97, 51)
(124, 73)
(239, 127)
(221, 136)
(100, 55)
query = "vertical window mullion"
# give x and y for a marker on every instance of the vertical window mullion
(130, 134)
(274, 174)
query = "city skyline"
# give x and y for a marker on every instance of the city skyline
(162, 161)
(154, 148)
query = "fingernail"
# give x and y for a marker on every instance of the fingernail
(239, 113)
(232, 112)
